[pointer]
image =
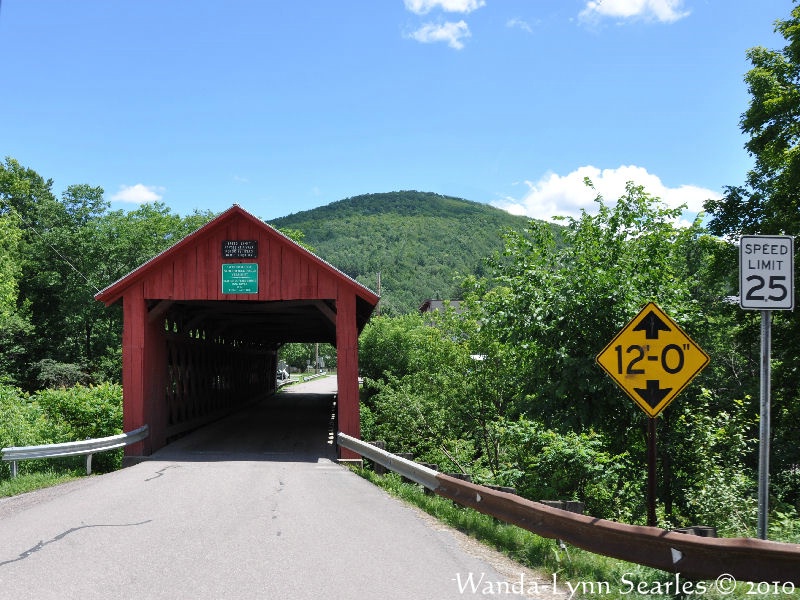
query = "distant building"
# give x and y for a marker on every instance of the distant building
(440, 305)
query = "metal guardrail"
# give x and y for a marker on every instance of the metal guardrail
(742, 559)
(87, 447)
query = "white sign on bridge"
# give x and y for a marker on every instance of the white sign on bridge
(766, 272)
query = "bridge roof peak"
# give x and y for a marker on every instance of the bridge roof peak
(191, 268)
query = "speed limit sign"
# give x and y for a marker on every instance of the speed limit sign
(766, 272)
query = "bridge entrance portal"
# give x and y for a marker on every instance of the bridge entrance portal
(203, 321)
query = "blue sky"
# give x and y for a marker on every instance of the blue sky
(282, 106)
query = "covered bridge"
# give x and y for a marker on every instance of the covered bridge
(203, 321)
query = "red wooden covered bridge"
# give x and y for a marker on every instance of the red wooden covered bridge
(203, 321)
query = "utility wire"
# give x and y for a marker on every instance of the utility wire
(46, 241)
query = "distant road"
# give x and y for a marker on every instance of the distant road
(251, 507)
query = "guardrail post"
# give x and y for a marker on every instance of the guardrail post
(13, 468)
(88, 464)
(377, 467)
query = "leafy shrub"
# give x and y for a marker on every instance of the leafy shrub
(784, 526)
(21, 423)
(546, 465)
(786, 486)
(726, 500)
(54, 374)
(80, 413)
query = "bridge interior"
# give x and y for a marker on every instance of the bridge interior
(295, 425)
(221, 355)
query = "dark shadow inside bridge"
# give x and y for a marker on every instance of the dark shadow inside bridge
(291, 426)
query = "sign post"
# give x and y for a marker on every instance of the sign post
(652, 360)
(766, 283)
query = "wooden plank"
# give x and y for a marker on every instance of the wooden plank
(275, 262)
(290, 273)
(326, 286)
(134, 312)
(263, 265)
(312, 278)
(214, 254)
(202, 270)
(347, 369)
(186, 275)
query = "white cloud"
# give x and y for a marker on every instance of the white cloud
(664, 11)
(557, 195)
(423, 7)
(138, 194)
(519, 24)
(449, 32)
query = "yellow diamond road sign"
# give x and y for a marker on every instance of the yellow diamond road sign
(652, 359)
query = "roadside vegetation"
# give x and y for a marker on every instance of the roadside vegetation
(52, 416)
(506, 388)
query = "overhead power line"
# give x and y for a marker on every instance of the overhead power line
(52, 247)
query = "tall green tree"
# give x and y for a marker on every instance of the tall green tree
(15, 328)
(768, 202)
(565, 304)
(64, 250)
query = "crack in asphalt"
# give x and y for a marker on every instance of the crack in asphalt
(61, 536)
(160, 472)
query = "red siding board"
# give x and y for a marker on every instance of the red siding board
(311, 287)
(326, 286)
(203, 272)
(347, 369)
(185, 269)
(214, 271)
(275, 261)
(290, 267)
(134, 323)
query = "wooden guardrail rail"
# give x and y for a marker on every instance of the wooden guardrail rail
(742, 559)
(87, 447)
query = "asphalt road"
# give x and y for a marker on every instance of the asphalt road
(253, 506)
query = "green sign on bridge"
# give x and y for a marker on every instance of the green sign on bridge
(240, 278)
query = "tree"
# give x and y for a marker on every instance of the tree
(769, 203)
(15, 328)
(60, 252)
(565, 304)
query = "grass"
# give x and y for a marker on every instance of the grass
(30, 482)
(589, 576)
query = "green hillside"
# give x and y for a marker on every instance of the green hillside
(421, 243)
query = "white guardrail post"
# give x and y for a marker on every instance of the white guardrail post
(87, 447)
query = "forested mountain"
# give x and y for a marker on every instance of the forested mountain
(421, 243)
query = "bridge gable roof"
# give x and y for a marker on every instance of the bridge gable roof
(191, 268)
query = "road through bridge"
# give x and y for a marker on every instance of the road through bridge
(253, 506)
